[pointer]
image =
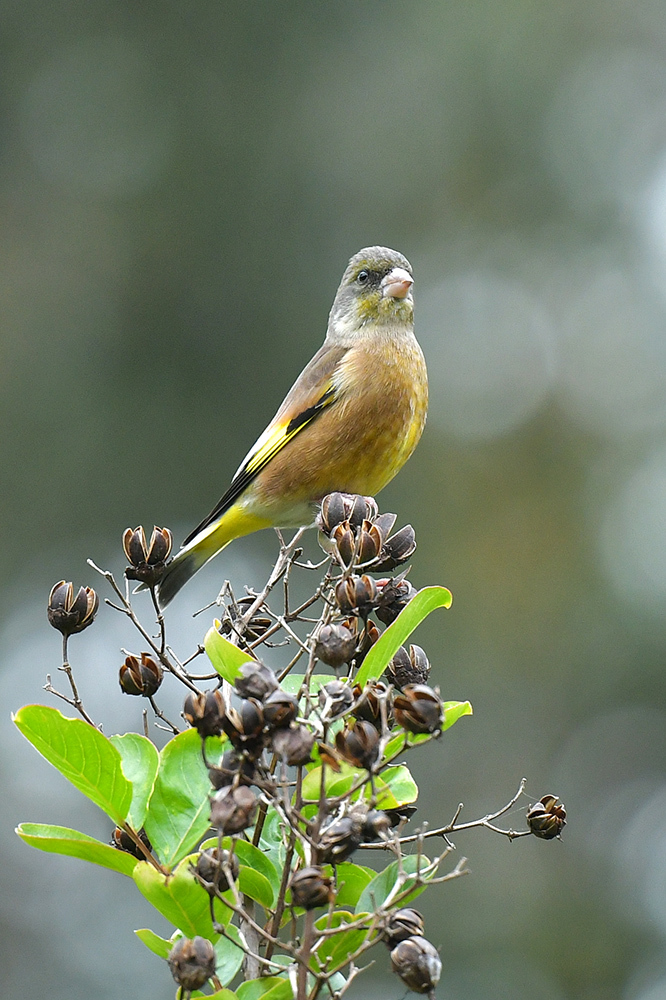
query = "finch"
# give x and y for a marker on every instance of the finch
(349, 423)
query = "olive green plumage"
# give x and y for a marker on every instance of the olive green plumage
(349, 423)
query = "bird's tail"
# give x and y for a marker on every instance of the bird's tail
(234, 523)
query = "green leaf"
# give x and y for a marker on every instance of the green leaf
(225, 657)
(179, 809)
(266, 988)
(454, 710)
(393, 637)
(219, 995)
(229, 956)
(82, 754)
(62, 840)
(336, 782)
(140, 760)
(158, 945)
(181, 899)
(338, 947)
(400, 786)
(351, 880)
(292, 682)
(377, 891)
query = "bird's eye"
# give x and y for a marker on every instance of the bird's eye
(362, 277)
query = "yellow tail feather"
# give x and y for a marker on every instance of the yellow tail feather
(234, 523)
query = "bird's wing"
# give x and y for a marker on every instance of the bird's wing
(315, 389)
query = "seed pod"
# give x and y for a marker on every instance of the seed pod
(417, 963)
(293, 744)
(244, 725)
(234, 768)
(367, 702)
(356, 594)
(411, 667)
(257, 626)
(147, 560)
(123, 842)
(402, 924)
(343, 539)
(335, 698)
(418, 709)
(335, 645)
(369, 635)
(359, 744)
(311, 888)
(232, 809)
(280, 709)
(393, 595)
(192, 962)
(396, 550)
(547, 818)
(339, 507)
(210, 869)
(339, 839)
(69, 613)
(255, 680)
(377, 825)
(370, 542)
(142, 678)
(205, 711)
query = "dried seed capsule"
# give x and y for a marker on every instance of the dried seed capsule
(232, 809)
(210, 869)
(344, 540)
(339, 839)
(367, 702)
(192, 962)
(335, 698)
(417, 963)
(356, 594)
(396, 550)
(402, 924)
(255, 680)
(205, 711)
(335, 645)
(393, 595)
(547, 818)
(339, 507)
(142, 678)
(71, 613)
(244, 725)
(311, 888)
(280, 709)
(293, 744)
(411, 667)
(359, 744)
(257, 626)
(377, 825)
(234, 768)
(418, 709)
(123, 842)
(147, 560)
(370, 542)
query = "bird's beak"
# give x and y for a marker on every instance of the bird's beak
(397, 284)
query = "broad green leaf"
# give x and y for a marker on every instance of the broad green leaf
(181, 899)
(351, 881)
(256, 886)
(266, 988)
(82, 754)
(336, 782)
(224, 994)
(179, 809)
(378, 890)
(139, 761)
(251, 857)
(62, 840)
(225, 657)
(401, 786)
(229, 956)
(454, 710)
(292, 682)
(158, 945)
(338, 947)
(392, 638)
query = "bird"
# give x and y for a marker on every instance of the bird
(348, 424)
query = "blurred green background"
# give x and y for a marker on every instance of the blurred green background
(181, 186)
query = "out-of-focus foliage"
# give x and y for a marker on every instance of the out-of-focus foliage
(180, 189)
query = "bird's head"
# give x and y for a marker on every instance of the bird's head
(375, 291)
